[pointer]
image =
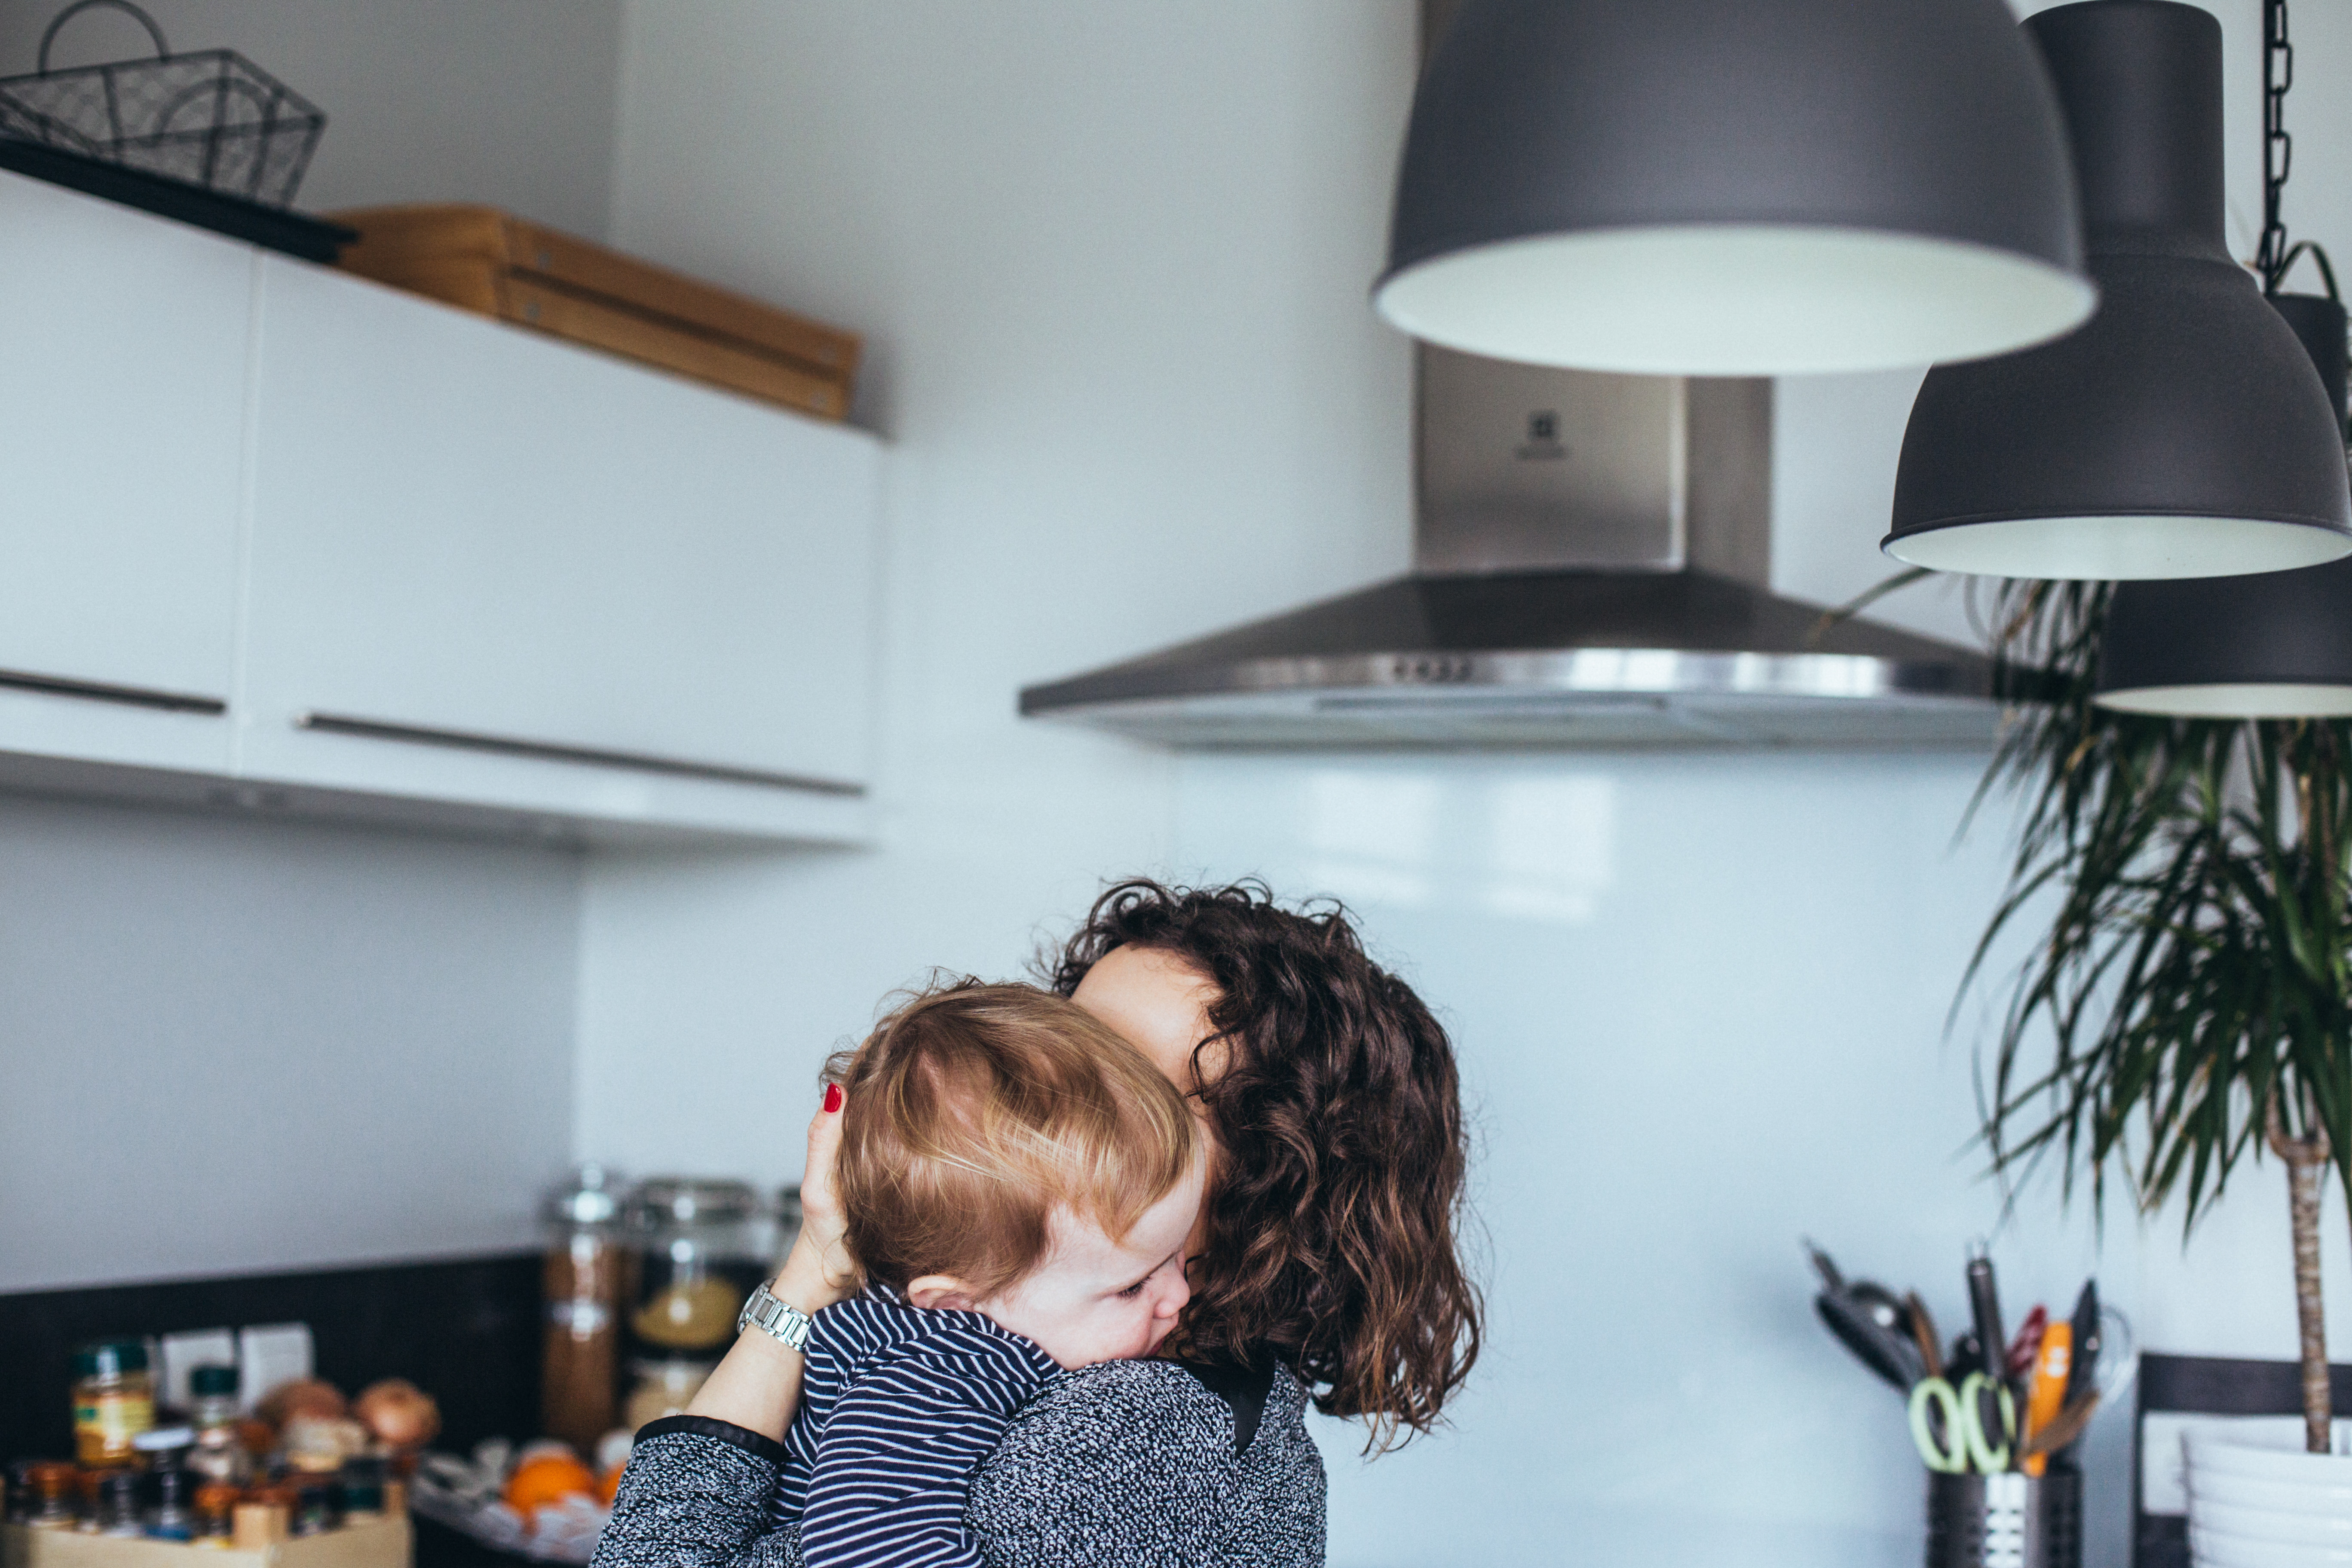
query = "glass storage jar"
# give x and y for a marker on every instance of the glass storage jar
(663, 1387)
(697, 1251)
(581, 1280)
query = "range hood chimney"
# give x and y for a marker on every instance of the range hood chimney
(1592, 567)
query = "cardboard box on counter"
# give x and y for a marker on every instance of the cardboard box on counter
(385, 1542)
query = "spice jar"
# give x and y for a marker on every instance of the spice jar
(314, 1508)
(219, 1453)
(20, 1492)
(173, 1516)
(216, 1514)
(362, 1487)
(113, 1400)
(54, 1505)
(697, 1253)
(118, 1504)
(88, 1518)
(582, 1283)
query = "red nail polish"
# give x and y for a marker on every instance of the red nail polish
(831, 1097)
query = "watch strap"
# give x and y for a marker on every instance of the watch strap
(779, 1320)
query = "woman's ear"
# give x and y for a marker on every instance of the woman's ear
(941, 1291)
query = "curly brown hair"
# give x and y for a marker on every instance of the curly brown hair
(1333, 1216)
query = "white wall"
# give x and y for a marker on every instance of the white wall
(505, 101)
(1113, 263)
(234, 1046)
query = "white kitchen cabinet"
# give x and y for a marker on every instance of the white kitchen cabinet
(281, 540)
(125, 340)
(489, 567)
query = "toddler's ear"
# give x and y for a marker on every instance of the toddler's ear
(941, 1291)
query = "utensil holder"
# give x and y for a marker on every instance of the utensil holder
(2008, 1520)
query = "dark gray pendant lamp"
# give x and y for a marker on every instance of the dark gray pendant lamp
(2183, 433)
(1732, 187)
(2277, 645)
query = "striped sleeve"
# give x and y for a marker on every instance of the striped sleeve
(894, 1463)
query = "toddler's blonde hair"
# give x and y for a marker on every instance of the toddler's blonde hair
(975, 1110)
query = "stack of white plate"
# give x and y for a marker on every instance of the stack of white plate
(2257, 1507)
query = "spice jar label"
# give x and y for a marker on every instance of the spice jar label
(105, 1423)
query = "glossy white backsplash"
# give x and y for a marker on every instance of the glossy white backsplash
(237, 1045)
(1700, 1005)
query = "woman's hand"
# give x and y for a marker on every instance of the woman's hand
(758, 1386)
(819, 1270)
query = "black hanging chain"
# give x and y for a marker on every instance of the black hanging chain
(2276, 257)
(2278, 147)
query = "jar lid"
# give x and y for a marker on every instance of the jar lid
(593, 1196)
(212, 1380)
(689, 1200)
(111, 1358)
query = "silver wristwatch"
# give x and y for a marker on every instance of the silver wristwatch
(780, 1321)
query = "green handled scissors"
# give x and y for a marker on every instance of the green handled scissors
(1957, 1413)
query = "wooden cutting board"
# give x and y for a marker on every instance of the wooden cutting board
(491, 262)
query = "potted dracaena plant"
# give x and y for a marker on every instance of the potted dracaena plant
(2184, 1009)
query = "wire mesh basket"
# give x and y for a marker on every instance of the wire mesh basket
(212, 118)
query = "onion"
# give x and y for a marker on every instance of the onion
(400, 1412)
(303, 1396)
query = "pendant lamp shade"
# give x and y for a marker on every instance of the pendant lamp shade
(2276, 645)
(2183, 433)
(1723, 188)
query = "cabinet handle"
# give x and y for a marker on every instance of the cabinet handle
(106, 691)
(551, 752)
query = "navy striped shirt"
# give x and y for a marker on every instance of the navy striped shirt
(899, 1406)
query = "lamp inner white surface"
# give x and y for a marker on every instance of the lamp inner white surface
(2234, 699)
(2121, 549)
(1735, 300)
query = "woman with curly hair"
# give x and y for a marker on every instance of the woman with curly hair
(1325, 1268)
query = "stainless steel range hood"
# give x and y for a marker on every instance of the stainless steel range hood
(1592, 564)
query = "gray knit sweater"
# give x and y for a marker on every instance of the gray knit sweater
(1128, 1464)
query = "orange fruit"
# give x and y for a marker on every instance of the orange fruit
(544, 1478)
